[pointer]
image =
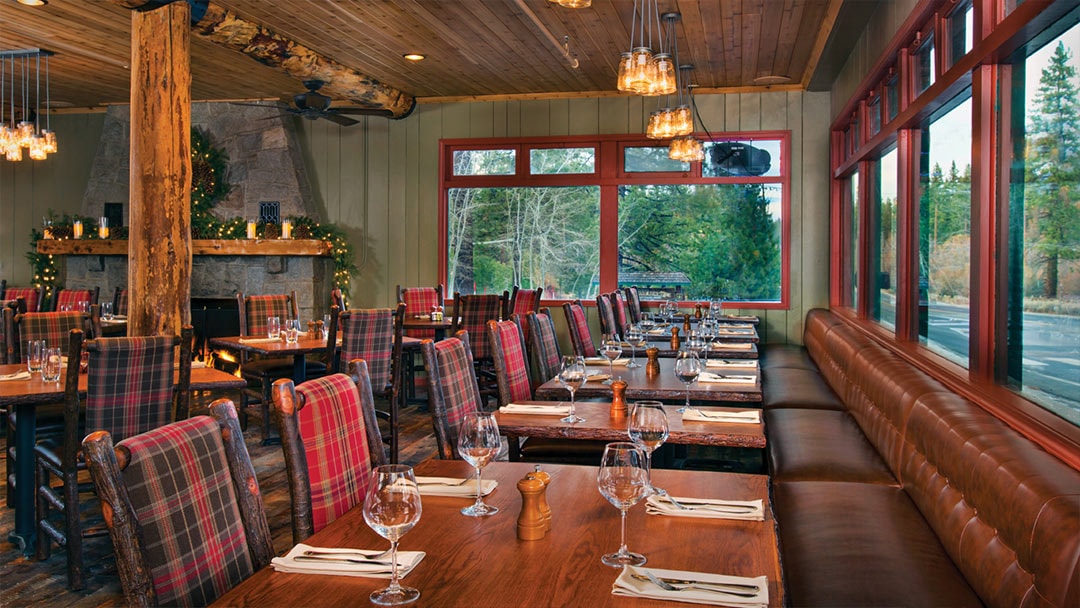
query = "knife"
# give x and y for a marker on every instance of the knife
(713, 505)
(351, 560)
(738, 587)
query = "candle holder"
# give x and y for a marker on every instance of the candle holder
(286, 229)
(76, 229)
(251, 229)
(103, 227)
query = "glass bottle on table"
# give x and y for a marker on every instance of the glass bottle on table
(391, 508)
(572, 376)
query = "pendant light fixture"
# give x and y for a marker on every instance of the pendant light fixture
(686, 147)
(641, 71)
(27, 132)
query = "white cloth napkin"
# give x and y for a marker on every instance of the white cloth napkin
(604, 361)
(737, 326)
(745, 417)
(731, 346)
(194, 364)
(726, 378)
(258, 340)
(733, 363)
(710, 508)
(659, 331)
(407, 560)
(595, 376)
(542, 410)
(625, 584)
(735, 331)
(447, 486)
(19, 375)
(746, 317)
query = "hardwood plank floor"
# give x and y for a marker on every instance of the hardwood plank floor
(27, 582)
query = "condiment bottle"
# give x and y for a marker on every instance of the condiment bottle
(652, 366)
(675, 338)
(545, 508)
(318, 328)
(530, 523)
(618, 398)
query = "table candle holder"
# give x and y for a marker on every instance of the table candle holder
(103, 227)
(251, 229)
(286, 229)
(76, 229)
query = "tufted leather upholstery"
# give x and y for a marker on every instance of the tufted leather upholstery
(908, 494)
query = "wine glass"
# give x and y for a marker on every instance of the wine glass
(572, 376)
(612, 350)
(391, 508)
(273, 327)
(648, 428)
(687, 369)
(478, 444)
(623, 480)
(635, 338)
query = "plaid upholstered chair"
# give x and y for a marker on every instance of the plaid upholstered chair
(330, 423)
(8, 310)
(129, 390)
(419, 301)
(604, 309)
(633, 303)
(471, 314)
(188, 519)
(544, 345)
(522, 302)
(75, 299)
(120, 301)
(580, 335)
(618, 307)
(452, 389)
(33, 297)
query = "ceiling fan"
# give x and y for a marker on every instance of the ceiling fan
(313, 105)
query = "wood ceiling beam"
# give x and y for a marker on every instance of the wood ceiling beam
(223, 27)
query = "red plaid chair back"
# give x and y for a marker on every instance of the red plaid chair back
(193, 536)
(618, 306)
(453, 388)
(332, 426)
(580, 335)
(511, 362)
(129, 384)
(419, 301)
(633, 303)
(606, 314)
(369, 335)
(258, 308)
(30, 295)
(475, 311)
(525, 301)
(53, 327)
(75, 299)
(121, 306)
(545, 345)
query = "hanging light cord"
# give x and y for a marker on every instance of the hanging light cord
(48, 115)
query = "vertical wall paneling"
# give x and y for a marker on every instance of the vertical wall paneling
(398, 212)
(815, 203)
(710, 109)
(612, 115)
(378, 172)
(772, 115)
(426, 240)
(481, 119)
(559, 117)
(411, 256)
(583, 114)
(535, 118)
(794, 325)
(498, 119)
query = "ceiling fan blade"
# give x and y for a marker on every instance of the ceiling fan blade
(344, 121)
(363, 111)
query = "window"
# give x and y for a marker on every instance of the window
(923, 62)
(961, 34)
(853, 239)
(892, 96)
(945, 231)
(1044, 226)
(873, 114)
(882, 241)
(714, 229)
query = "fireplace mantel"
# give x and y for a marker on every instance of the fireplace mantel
(266, 247)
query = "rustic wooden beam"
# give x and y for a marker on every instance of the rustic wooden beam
(159, 247)
(224, 27)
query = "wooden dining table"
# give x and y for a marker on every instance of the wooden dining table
(422, 322)
(664, 386)
(259, 345)
(600, 425)
(481, 562)
(26, 395)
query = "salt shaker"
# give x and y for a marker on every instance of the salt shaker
(530, 523)
(686, 323)
(545, 508)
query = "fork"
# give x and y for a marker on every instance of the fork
(444, 483)
(365, 554)
(702, 506)
(699, 586)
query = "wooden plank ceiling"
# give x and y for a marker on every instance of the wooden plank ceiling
(474, 48)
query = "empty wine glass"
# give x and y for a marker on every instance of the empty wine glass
(612, 350)
(623, 480)
(648, 428)
(635, 338)
(687, 369)
(478, 444)
(572, 376)
(51, 365)
(716, 309)
(107, 311)
(391, 508)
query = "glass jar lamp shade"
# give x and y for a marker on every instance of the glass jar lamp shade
(682, 121)
(50, 141)
(664, 82)
(642, 70)
(625, 72)
(686, 149)
(37, 148)
(25, 130)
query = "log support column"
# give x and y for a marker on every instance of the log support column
(159, 245)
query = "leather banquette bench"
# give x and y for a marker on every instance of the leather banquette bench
(891, 490)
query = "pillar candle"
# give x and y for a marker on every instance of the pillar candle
(77, 229)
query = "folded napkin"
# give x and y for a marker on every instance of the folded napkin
(452, 486)
(659, 331)
(732, 346)
(194, 365)
(626, 584)
(604, 361)
(735, 331)
(595, 376)
(259, 340)
(19, 375)
(726, 378)
(746, 417)
(737, 326)
(712, 508)
(543, 410)
(745, 317)
(732, 363)
(407, 560)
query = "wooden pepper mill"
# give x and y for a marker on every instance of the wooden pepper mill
(545, 508)
(652, 366)
(674, 338)
(697, 311)
(686, 323)
(618, 398)
(530, 523)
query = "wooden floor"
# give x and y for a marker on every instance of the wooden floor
(26, 582)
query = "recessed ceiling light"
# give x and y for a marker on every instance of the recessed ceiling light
(413, 56)
(34, 2)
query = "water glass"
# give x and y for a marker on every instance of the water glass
(325, 327)
(478, 444)
(35, 352)
(273, 327)
(107, 311)
(391, 508)
(52, 365)
(572, 375)
(623, 481)
(292, 330)
(636, 339)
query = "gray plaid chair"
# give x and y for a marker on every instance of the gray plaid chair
(452, 389)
